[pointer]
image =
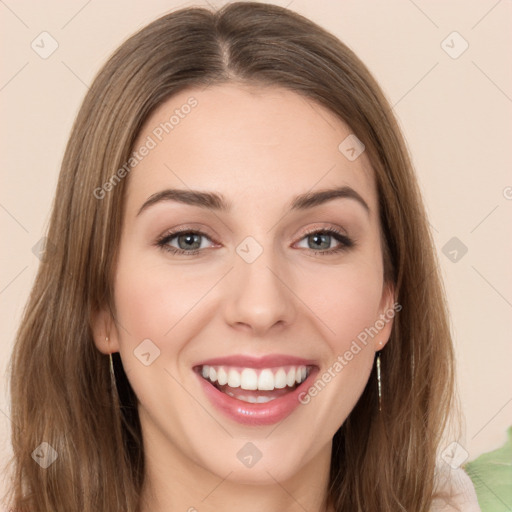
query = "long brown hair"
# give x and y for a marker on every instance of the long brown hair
(60, 384)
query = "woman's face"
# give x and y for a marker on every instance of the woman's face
(265, 286)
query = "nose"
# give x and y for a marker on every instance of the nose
(260, 295)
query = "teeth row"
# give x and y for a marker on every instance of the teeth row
(248, 378)
(252, 399)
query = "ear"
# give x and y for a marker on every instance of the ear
(387, 311)
(104, 331)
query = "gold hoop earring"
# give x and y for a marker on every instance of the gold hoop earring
(379, 383)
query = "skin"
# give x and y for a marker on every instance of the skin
(259, 147)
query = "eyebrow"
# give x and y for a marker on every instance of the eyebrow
(215, 201)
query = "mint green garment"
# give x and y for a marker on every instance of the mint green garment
(491, 474)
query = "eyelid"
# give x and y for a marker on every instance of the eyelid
(189, 228)
(323, 226)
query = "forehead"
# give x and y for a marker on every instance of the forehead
(255, 145)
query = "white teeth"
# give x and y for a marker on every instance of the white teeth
(222, 376)
(252, 399)
(233, 379)
(290, 378)
(280, 379)
(249, 379)
(262, 399)
(266, 380)
(253, 379)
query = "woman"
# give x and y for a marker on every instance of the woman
(242, 304)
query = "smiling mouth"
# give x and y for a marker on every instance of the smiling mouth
(255, 385)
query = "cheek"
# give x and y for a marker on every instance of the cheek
(156, 302)
(346, 301)
(152, 300)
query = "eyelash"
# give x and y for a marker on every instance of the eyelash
(345, 241)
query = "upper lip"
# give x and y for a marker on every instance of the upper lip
(267, 361)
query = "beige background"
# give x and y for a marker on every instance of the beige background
(455, 113)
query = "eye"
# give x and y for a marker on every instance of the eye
(324, 237)
(188, 241)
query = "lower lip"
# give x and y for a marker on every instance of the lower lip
(248, 413)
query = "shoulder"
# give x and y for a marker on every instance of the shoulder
(454, 491)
